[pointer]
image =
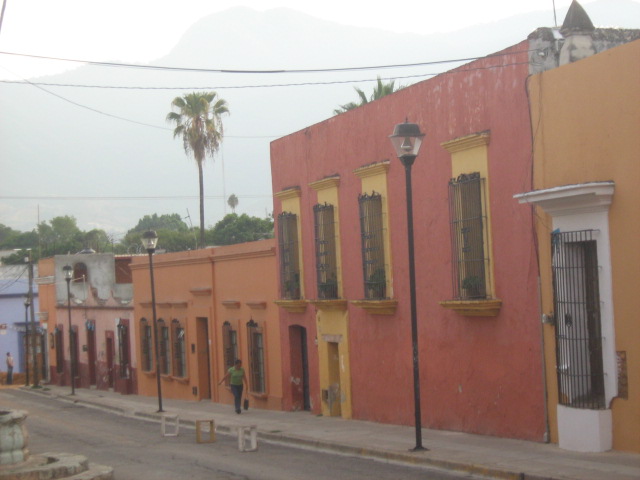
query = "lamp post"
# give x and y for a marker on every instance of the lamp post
(68, 273)
(27, 302)
(149, 242)
(406, 140)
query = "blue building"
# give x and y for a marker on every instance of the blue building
(14, 287)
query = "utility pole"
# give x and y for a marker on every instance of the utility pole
(34, 329)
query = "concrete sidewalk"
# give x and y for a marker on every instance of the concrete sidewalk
(465, 453)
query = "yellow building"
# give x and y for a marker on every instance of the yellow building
(586, 146)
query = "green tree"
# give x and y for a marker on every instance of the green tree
(234, 228)
(173, 233)
(11, 239)
(7, 233)
(61, 235)
(161, 222)
(198, 121)
(380, 90)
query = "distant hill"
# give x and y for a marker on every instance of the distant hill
(61, 146)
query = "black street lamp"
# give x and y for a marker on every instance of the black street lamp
(68, 274)
(149, 242)
(406, 140)
(27, 302)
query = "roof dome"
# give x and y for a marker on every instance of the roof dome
(577, 21)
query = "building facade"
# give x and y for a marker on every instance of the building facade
(344, 282)
(18, 324)
(213, 306)
(340, 207)
(93, 319)
(586, 167)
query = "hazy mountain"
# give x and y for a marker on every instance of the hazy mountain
(62, 146)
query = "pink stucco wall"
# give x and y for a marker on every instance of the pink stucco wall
(481, 375)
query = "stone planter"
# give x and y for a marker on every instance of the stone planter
(13, 437)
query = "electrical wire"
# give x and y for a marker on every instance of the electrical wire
(256, 71)
(458, 70)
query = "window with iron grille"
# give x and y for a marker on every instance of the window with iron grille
(179, 349)
(372, 243)
(146, 345)
(325, 239)
(59, 342)
(230, 345)
(289, 261)
(123, 350)
(164, 346)
(576, 292)
(256, 357)
(467, 214)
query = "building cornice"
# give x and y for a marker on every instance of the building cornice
(293, 192)
(372, 169)
(467, 142)
(325, 183)
(571, 199)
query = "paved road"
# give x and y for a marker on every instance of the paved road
(137, 451)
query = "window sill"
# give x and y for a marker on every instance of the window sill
(474, 308)
(259, 395)
(292, 306)
(332, 304)
(377, 307)
(171, 378)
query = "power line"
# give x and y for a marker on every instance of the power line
(219, 87)
(272, 85)
(458, 70)
(256, 71)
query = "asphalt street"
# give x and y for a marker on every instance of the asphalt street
(136, 450)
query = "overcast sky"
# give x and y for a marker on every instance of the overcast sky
(143, 30)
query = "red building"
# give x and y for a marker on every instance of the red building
(341, 212)
(342, 230)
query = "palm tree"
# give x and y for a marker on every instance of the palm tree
(198, 120)
(233, 202)
(380, 90)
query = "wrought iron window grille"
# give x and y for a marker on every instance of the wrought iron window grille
(467, 213)
(579, 362)
(230, 345)
(256, 357)
(179, 349)
(372, 246)
(289, 261)
(325, 243)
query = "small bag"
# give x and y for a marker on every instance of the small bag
(246, 404)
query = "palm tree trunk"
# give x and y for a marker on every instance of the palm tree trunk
(201, 182)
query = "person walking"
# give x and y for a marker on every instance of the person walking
(237, 380)
(9, 369)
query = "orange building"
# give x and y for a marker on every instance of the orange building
(212, 306)
(586, 118)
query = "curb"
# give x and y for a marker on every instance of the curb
(408, 458)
